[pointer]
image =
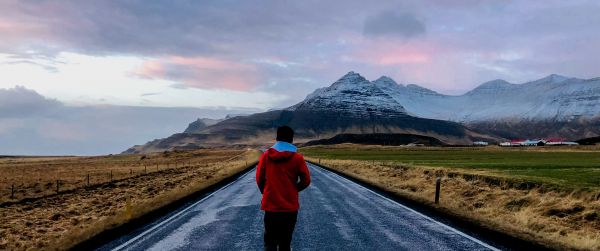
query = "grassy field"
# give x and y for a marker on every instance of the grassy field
(578, 167)
(561, 208)
(36, 177)
(38, 218)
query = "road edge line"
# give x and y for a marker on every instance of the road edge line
(416, 212)
(172, 217)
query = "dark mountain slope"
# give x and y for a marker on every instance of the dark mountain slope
(350, 105)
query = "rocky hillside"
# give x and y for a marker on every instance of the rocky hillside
(350, 105)
(386, 139)
(200, 124)
(554, 106)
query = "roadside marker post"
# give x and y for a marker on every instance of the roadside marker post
(88, 179)
(12, 191)
(438, 182)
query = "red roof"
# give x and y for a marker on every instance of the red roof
(517, 140)
(555, 140)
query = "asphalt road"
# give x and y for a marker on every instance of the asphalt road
(335, 214)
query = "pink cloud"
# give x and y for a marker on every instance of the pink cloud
(434, 65)
(150, 69)
(14, 32)
(202, 72)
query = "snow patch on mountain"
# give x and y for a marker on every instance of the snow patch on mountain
(554, 97)
(352, 95)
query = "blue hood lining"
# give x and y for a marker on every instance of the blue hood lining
(281, 146)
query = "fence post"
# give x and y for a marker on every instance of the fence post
(438, 182)
(110, 175)
(88, 179)
(57, 186)
(12, 191)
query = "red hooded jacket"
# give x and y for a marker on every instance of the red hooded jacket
(277, 177)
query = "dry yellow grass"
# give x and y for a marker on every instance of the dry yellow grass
(34, 177)
(58, 221)
(557, 218)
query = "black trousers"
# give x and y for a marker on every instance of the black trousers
(279, 227)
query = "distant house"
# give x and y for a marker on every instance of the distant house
(517, 142)
(514, 142)
(534, 142)
(538, 142)
(560, 142)
(554, 141)
(480, 143)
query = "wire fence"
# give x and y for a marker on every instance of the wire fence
(57, 182)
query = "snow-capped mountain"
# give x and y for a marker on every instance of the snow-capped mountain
(554, 106)
(352, 104)
(554, 97)
(352, 95)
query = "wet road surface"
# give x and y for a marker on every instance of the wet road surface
(335, 214)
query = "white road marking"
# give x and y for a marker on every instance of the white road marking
(162, 223)
(416, 212)
(171, 218)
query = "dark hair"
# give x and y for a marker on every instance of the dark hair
(285, 134)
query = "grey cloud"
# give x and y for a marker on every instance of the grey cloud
(180, 86)
(551, 36)
(162, 27)
(390, 23)
(31, 124)
(22, 102)
(149, 94)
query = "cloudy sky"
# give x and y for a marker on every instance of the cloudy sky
(62, 62)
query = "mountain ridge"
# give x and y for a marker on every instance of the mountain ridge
(554, 97)
(351, 104)
(555, 105)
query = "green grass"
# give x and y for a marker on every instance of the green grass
(573, 168)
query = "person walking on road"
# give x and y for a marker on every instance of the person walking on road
(280, 175)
